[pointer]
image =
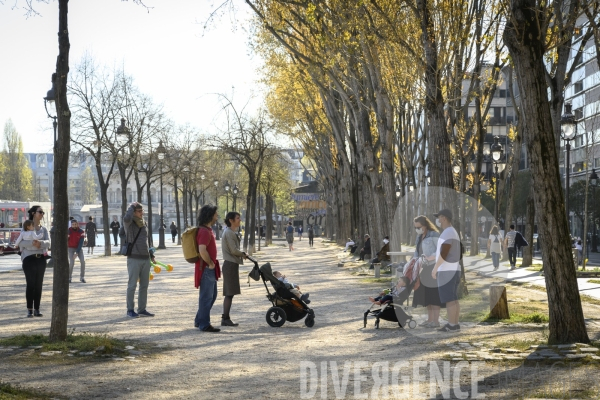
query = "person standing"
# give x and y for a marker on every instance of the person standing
(427, 293)
(366, 248)
(91, 233)
(34, 262)
(289, 235)
(509, 243)
(300, 231)
(494, 243)
(75, 244)
(311, 235)
(114, 227)
(232, 258)
(447, 269)
(173, 229)
(208, 270)
(138, 260)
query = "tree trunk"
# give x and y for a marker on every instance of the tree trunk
(105, 216)
(62, 147)
(526, 45)
(441, 164)
(498, 302)
(268, 219)
(528, 250)
(123, 175)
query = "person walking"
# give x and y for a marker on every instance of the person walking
(300, 232)
(366, 248)
(427, 293)
(447, 269)
(289, 235)
(311, 235)
(173, 229)
(91, 233)
(494, 243)
(33, 257)
(207, 270)
(75, 244)
(509, 243)
(138, 259)
(114, 227)
(232, 258)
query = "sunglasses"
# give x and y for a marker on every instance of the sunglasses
(41, 212)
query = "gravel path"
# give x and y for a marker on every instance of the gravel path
(252, 360)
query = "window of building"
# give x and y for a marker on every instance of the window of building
(578, 166)
(578, 113)
(578, 86)
(596, 162)
(503, 93)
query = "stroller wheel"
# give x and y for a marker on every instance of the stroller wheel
(309, 321)
(412, 324)
(276, 317)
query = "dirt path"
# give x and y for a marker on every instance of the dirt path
(249, 361)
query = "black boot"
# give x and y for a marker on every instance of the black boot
(226, 321)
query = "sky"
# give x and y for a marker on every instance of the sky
(166, 50)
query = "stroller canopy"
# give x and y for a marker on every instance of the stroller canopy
(267, 274)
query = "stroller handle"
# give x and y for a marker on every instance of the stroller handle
(252, 259)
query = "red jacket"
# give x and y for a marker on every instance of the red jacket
(75, 236)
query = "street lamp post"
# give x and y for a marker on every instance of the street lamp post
(161, 151)
(216, 182)
(497, 153)
(51, 98)
(594, 183)
(227, 187)
(568, 128)
(202, 177)
(235, 192)
(185, 171)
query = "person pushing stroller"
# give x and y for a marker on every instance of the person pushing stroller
(295, 289)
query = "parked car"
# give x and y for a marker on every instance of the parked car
(7, 248)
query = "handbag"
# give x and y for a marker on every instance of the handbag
(127, 248)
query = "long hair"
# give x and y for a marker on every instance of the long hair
(426, 222)
(206, 214)
(32, 211)
(494, 230)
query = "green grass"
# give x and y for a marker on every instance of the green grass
(10, 392)
(596, 281)
(80, 341)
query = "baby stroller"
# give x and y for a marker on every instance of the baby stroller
(286, 306)
(393, 311)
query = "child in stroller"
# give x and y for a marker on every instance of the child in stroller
(392, 310)
(388, 294)
(287, 306)
(292, 287)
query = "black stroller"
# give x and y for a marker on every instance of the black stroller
(286, 306)
(393, 311)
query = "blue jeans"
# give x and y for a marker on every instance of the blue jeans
(208, 295)
(496, 259)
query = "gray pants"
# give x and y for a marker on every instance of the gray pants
(72, 253)
(138, 269)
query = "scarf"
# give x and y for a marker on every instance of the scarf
(139, 221)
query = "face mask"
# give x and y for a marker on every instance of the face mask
(385, 241)
(419, 231)
(438, 223)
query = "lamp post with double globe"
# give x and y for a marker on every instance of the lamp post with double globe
(568, 128)
(161, 151)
